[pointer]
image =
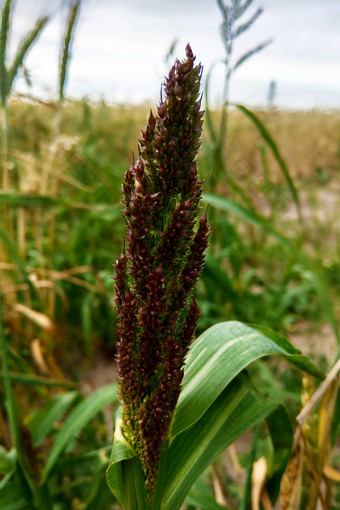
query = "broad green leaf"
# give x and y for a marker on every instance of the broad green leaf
(216, 357)
(270, 141)
(67, 43)
(11, 408)
(42, 423)
(235, 410)
(294, 357)
(79, 417)
(124, 474)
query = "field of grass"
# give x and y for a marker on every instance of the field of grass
(64, 207)
(62, 230)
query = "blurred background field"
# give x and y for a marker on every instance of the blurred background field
(272, 191)
(67, 229)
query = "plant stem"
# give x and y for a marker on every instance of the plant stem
(4, 146)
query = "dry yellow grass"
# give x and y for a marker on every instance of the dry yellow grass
(307, 140)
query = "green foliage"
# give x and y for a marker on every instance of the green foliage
(216, 405)
(84, 412)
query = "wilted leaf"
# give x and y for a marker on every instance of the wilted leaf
(292, 479)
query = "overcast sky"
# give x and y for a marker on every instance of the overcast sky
(120, 47)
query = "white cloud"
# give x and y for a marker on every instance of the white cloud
(120, 47)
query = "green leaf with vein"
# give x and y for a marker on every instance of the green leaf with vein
(234, 411)
(80, 416)
(124, 474)
(216, 357)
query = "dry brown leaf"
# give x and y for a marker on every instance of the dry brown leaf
(38, 357)
(239, 472)
(331, 473)
(258, 479)
(325, 418)
(9, 289)
(218, 486)
(292, 478)
(37, 317)
(265, 500)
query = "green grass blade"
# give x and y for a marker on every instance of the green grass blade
(235, 410)
(282, 436)
(25, 45)
(4, 30)
(9, 396)
(80, 416)
(228, 205)
(216, 357)
(246, 499)
(19, 200)
(271, 143)
(39, 381)
(250, 53)
(67, 43)
(15, 257)
(43, 422)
